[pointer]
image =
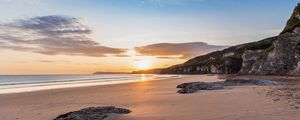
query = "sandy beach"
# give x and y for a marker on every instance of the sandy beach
(150, 100)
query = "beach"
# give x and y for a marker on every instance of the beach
(151, 100)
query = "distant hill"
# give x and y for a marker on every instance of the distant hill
(110, 73)
(150, 71)
(278, 55)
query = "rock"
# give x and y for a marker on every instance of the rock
(250, 82)
(92, 113)
(250, 61)
(185, 91)
(294, 20)
(196, 86)
(284, 57)
(189, 87)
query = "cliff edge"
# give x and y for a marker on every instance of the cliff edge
(278, 55)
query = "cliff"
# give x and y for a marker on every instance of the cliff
(278, 55)
(229, 60)
(294, 21)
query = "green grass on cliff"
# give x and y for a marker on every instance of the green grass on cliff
(237, 50)
(217, 59)
(293, 22)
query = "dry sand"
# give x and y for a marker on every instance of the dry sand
(150, 100)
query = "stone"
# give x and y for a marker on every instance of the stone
(92, 113)
(193, 87)
(250, 59)
(284, 58)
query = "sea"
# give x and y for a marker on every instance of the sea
(28, 83)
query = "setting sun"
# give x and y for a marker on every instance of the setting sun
(144, 64)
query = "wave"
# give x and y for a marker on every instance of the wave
(26, 83)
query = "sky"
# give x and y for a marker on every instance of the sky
(84, 36)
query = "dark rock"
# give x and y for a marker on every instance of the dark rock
(92, 113)
(186, 85)
(196, 86)
(250, 82)
(185, 91)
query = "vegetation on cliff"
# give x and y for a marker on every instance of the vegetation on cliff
(226, 61)
(294, 20)
(275, 55)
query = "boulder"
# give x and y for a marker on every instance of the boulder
(92, 113)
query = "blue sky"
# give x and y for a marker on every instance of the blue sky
(141, 22)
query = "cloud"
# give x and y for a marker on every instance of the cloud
(31, 2)
(177, 50)
(52, 35)
(46, 61)
(52, 61)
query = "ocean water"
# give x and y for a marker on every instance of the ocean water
(28, 83)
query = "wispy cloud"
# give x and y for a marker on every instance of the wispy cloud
(30, 2)
(177, 50)
(52, 35)
(53, 61)
(46, 61)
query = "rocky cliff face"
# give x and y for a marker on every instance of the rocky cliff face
(278, 55)
(294, 21)
(228, 61)
(251, 60)
(284, 58)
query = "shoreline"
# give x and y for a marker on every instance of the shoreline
(148, 100)
(86, 87)
(90, 84)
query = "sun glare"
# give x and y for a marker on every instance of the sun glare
(144, 64)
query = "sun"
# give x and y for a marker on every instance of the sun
(144, 64)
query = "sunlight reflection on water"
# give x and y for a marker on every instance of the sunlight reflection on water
(17, 84)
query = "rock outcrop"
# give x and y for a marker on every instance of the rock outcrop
(251, 61)
(92, 113)
(294, 21)
(196, 86)
(278, 55)
(284, 57)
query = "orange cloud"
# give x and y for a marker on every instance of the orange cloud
(177, 50)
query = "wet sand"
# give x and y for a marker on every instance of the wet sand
(151, 100)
